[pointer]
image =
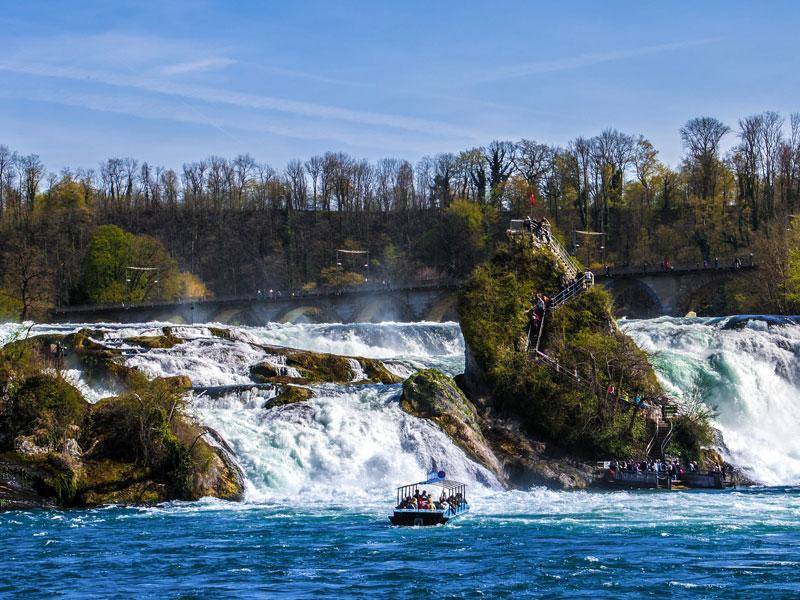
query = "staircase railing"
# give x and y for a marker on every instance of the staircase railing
(543, 235)
(569, 263)
(667, 439)
(573, 289)
(652, 443)
(556, 367)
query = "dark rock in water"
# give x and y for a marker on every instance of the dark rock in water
(528, 462)
(499, 444)
(433, 395)
(289, 394)
(220, 332)
(19, 485)
(319, 367)
(151, 342)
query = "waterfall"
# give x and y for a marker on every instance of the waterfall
(747, 371)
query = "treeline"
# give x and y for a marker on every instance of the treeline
(240, 225)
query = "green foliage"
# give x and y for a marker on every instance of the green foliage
(338, 277)
(582, 335)
(106, 275)
(692, 433)
(42, 405)
(494, 303)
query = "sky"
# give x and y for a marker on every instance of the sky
(173, 82)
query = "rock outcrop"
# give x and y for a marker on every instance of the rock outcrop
(56, 449)
(500, 445)
(433, 395)
(289, 394)
(289, 365)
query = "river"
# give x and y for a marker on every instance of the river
(321, 477)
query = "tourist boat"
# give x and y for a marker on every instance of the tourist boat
(457, 505)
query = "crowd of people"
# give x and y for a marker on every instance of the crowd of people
(614, 394)
(425, 501)
(667, 468)
(541, 227)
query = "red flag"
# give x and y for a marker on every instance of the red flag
(533, 199)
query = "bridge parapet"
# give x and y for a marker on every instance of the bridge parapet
(417, 300)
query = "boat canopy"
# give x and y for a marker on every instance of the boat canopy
(437, 478)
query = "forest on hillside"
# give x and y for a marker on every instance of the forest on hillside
(132, 231)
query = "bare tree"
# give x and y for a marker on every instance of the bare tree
(32, 172)
(532, 161)
(30, 280)
(314, 169)
(701, 137)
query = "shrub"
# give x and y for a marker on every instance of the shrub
(45, 406)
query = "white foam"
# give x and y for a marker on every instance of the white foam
(348, 442)
(749, 375)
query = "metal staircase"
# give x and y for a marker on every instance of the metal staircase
(578, 286)
(662, 435)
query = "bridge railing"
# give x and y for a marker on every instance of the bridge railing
(679, 268)
(273, 295)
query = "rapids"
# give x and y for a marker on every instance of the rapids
(747, 371)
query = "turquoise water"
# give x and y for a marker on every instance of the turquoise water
(320, 480)
(712, 544)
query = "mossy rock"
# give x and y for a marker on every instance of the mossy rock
(221, 333)
(319, 367)
(135, 493)
(289, 394)
(214, 474)
(179, 382)
(155, 342)
(44, 406)
(430, 394)
(266, 372)
(377, 371)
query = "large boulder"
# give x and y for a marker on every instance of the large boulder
(289, 394)
(288, 365)
(430, 394)
(164, 341)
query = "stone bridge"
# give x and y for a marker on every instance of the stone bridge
(636, 293)
(424, 301)
(640, 294)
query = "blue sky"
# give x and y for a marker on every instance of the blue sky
(172, 82)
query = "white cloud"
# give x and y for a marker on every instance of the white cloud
(193, 66)
(212, 95)
(583, 60)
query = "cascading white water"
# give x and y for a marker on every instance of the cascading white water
(349, 441)
(748, 371)
(357, 438)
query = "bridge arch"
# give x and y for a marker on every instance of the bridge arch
(707, 298)
(634, 298)
(444, 309)
(383, 308)
(309, 313)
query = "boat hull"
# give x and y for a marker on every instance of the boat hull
(418, 518)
